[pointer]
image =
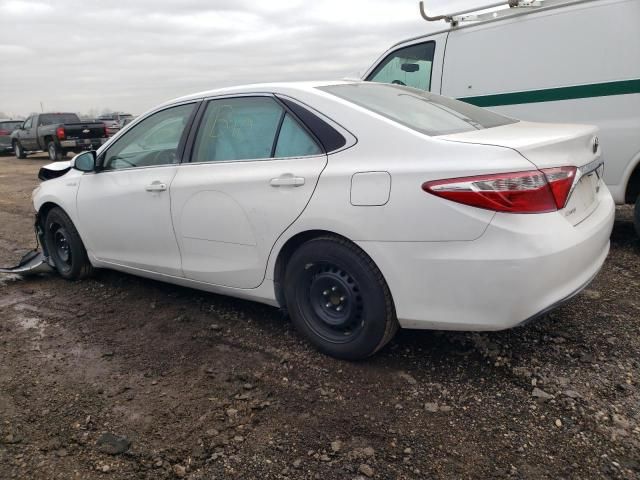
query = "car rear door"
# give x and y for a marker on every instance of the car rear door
(124, 209)
(253, 169)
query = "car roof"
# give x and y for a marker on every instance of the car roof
(276, 87)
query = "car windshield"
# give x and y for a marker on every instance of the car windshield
(421, 111)
(55, 118)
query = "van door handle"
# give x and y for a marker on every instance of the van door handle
(156, 187)
(287, 181)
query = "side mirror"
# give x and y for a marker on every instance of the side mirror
(85, 161)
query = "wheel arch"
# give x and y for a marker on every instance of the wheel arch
(291, 245)
(41, 215)
(632, 188)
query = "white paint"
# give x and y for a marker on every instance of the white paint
(221, 225)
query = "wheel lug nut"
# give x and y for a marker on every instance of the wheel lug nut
(328, 305)
(342, 299)
(339, 308)
(325, 293)
(333, 289)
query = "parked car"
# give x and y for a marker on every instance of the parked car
(113, 121)
(6, 127)
(359, 207)
(57, 134)
(539, 64)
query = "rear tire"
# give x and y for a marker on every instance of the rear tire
(18, 150)
(55, 154)
(636, 215)
(65, 246)
(338, 299)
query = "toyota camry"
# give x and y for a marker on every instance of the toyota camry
(356, 207)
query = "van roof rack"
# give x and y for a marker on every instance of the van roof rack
(470, 15)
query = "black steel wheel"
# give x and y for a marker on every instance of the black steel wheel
(65, 247)
(334, 300)
(338, 298)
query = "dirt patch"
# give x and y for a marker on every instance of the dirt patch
(201, 386)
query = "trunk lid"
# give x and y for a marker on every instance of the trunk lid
(80, 131)
(548, 145)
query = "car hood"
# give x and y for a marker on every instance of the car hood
(54, 170)
(545, 145)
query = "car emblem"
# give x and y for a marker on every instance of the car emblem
(596, 144)
(86, 130)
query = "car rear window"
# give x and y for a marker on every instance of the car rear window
(424, 112)
(55, 118)
(9, 125)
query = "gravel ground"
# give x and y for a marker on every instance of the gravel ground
(118, 377)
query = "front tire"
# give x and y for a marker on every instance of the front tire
(18, 150)
(338, 299)
(55, 154)
(65, 246)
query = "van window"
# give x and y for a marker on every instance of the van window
(424, 112)
(410, 66)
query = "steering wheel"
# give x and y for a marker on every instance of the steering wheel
(399, 82)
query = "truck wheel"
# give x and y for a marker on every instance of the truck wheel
(338, 298)
(55, 154)
(65, 246)
(636, 215)
(18, 150)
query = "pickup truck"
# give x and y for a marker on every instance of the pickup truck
(57, 134)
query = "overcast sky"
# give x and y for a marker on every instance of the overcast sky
(129, 55)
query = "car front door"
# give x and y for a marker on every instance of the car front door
(124, 208)
(27, 134)
(253, 169)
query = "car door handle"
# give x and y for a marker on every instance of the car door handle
(156, 187)
(287, 181)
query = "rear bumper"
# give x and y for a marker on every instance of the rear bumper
(521, 267)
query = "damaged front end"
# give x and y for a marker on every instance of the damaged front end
(35, 261)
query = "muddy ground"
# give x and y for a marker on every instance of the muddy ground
(208, 387)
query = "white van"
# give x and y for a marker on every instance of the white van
(550, 61)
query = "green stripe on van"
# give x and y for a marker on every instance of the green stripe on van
(623, 87)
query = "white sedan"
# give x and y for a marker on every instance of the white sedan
(358, 207)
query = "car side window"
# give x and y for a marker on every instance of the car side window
(410, 66)
(154, 141)
(28, 122)
(250, 128)
(294, 141)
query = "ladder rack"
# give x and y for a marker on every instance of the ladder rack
(469, 15)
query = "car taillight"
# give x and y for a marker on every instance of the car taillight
(105, 133)
(60, 133)
(534, 191)
(5, 132)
